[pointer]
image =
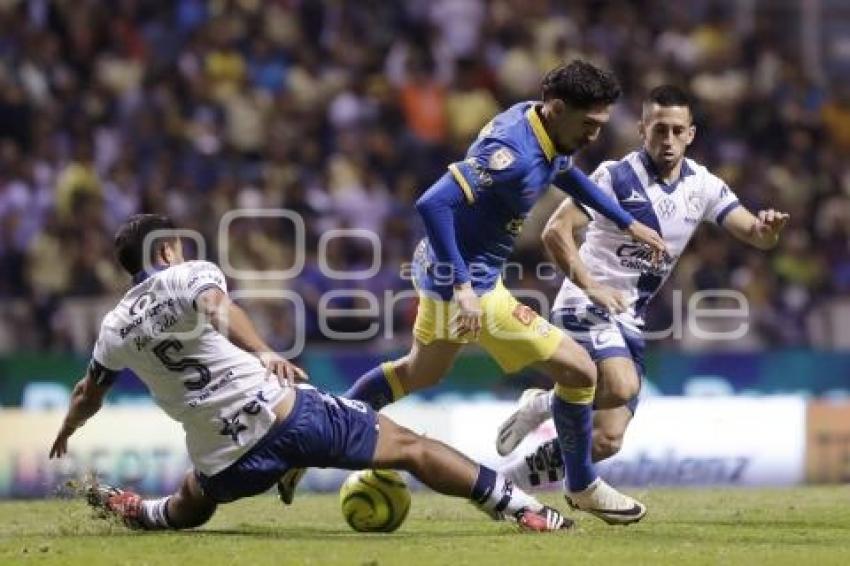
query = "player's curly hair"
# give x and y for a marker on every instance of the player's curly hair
(130, 239)
(580, 85)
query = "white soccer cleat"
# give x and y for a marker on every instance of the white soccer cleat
(533, 410)
(605, 502)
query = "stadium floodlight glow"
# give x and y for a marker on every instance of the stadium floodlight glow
(170, 233)
(334, 274)
(267, 274)
(300, 314)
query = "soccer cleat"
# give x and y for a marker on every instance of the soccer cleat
(288, 482)
(533, 411)
(545, 465)
(605, 502)
(115, 502)
(545, 520)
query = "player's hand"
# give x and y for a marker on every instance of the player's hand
(650, 237)
(467, 321)
(771, 222)
(608, 298)
(60, 445)
(287, 373)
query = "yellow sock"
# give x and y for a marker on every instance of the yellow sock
(392, 379)
(575, 395)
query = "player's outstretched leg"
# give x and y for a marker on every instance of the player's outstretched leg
(449, 472)
(423, 366)
(186, 509)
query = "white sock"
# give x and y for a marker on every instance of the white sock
(537, 469)
(154, 514)
(501, 495)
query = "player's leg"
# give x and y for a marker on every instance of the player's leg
(447, 471)
(422, 367)
(609, 427)
(431, 356)
(572, 410)
(617, 389)
(189, 507)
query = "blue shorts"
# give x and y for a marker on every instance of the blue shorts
(322, 431)
(603, 337)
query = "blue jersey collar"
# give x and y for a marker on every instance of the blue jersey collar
(655, 176)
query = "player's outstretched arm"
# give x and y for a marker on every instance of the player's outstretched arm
(559, 240)
(86, 400)
(228, 318)
(761, 231)
(578, 185)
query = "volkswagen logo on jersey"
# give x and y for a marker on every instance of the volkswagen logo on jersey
(666, 208)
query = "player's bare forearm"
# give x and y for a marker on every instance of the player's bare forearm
(86, 400)
(84, 404)
(559, 240)
(228, 318)
(760, 231)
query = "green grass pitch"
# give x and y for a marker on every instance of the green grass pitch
(803, 527)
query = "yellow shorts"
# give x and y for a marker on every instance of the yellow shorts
(511, 332)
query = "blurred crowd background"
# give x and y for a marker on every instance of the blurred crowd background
(345, 111)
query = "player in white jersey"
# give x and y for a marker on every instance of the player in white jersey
(247, 423)
(612, 280)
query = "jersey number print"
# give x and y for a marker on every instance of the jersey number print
(161, 351)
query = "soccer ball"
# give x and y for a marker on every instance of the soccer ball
(374, 501)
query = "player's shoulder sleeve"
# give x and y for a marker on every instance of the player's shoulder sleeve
(194, 277)
(721, 200)
(106, 361)
(601, 177)
(493, 162)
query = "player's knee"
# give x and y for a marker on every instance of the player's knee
(606, 444)
(580, 372)
(622, 390)
(411, 449)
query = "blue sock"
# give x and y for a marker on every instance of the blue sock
(574, 424)
(375, 387)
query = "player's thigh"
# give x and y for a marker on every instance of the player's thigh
(570, 365)
(426, 364)
(617, 383)
(609, 427)
(513, 334)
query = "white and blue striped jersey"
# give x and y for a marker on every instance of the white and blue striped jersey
(613, 258)
(217, 391)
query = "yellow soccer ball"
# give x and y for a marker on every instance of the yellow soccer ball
(374, 501)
